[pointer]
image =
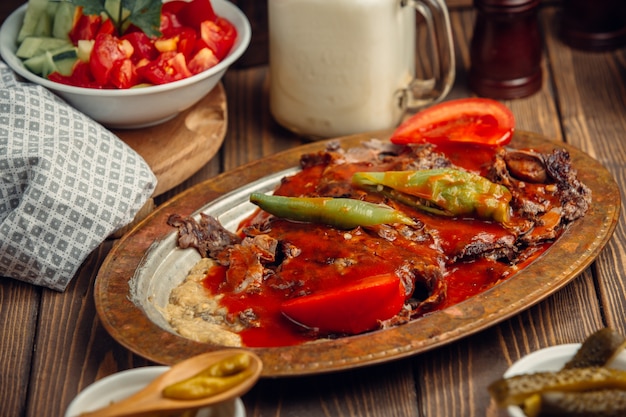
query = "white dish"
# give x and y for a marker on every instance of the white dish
(134, 107)
(123, 384)
(550, 359)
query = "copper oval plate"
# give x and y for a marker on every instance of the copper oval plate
(136, 276)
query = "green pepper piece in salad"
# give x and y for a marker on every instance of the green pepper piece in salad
(444, 191)
(343, 213)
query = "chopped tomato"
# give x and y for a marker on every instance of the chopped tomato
(350, 309)
(108, 27)
(195, 12)
(143, 47)
(118, 60)
(219, 36)
(123, 74)
(173, 7)
(479, 121)
(187, 42)
(168, 67)
(85, 28)
(170, 25)
(107, 60)
(80, 77)
(166, 44)
(183, 41)
(202, 60)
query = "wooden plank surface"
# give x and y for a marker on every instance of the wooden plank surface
(590, 90)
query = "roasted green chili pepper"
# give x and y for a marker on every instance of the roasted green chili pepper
(216, 378)
(444, 191)
(343, 213)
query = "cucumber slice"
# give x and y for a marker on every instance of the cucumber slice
(36, 63)
(84, 49)
(65, 66)
(35, 10)
(40, 64)
(60, 60)
(64, 20)
(64, 60)
(36, 45)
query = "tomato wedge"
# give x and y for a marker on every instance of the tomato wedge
(168, 67)
(80, 77)
(480, 121)
(219, 36)
(107, 61)
(203, 60)
(197, 11)
(143, 47)
(349, 309)
(86, 27)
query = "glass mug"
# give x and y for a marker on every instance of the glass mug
(339, 67)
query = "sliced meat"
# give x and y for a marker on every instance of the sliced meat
(208, 236)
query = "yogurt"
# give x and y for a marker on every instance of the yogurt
(339, 67)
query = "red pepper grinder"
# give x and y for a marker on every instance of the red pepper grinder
(506, 49)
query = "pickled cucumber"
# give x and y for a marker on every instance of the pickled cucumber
(600, 403)
(516, 389)
(599, 349)
(585, 387)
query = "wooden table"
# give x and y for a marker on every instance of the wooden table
(52, 345)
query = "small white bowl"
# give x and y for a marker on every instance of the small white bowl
(135, 107)
(123, 384)
(550, 359)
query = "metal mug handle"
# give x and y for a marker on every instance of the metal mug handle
(423, 92)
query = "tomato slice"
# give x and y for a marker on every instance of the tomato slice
(86, 27)
(479, 121)
(168, 67)
(106, 60)
(219, 36)
(108, 27)
(143, 48)
(123, 74)
(80, 77)
(195, 12)
(187, 42)
(350, 309)
(170, 24)
(202, 60)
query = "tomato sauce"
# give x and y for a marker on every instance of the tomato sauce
(329, 257)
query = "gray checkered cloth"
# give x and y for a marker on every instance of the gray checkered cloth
(66, 183)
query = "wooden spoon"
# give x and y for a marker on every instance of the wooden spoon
(150, 401)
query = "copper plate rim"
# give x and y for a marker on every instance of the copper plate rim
(564, 261)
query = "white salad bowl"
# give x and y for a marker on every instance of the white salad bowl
(135, 107)
(123, 384)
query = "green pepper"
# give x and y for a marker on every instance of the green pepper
(444, 191)
(343, 213)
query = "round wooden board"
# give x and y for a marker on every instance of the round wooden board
(178, 148)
